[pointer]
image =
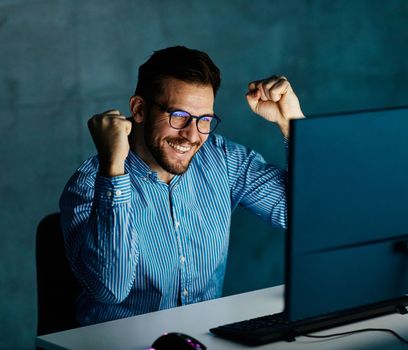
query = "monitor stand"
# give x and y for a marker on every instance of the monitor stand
(345, 317)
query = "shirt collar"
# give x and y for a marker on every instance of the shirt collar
(139, 167)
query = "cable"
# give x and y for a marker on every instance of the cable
(359, 331)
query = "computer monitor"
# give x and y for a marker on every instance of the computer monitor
(347, 241)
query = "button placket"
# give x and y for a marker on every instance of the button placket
(176, 216)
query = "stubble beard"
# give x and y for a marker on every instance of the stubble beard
(154, 145)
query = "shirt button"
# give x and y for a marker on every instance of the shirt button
(177, 224)
(185, 292)
(182, 259)
(118, 192)
(109, 193)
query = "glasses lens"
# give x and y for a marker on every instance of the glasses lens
(179, 119)
(207, 124)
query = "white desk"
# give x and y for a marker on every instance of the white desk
(139, 332)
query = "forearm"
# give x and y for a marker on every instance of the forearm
(266, 196)
(256, 185)
(100, 238)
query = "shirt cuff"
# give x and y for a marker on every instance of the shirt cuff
(112, 190)
(286, 144)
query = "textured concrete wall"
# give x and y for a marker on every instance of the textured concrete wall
(62, 61)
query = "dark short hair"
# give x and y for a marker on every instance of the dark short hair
(179, 62)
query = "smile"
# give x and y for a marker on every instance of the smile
(179, 147)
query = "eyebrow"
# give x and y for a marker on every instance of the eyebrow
(171, 109)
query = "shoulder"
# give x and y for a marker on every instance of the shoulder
(90, 165)
(217, 142)
(86, 172)
(226, 147)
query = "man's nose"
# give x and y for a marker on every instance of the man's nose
(190, 132)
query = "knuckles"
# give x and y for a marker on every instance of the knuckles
(269, 82)
(108, 121)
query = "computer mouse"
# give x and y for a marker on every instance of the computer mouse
(177, 341)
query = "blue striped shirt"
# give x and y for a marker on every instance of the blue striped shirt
(139, 245)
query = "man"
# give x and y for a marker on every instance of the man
(146, 221)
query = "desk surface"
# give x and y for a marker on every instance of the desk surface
(139, 332)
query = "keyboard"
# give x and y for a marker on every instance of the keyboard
(270, 328)
(260, 330)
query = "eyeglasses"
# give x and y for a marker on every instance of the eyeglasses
(180, 119)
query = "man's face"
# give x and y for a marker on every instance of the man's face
(174, 149)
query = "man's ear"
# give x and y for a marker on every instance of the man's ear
(137, 108)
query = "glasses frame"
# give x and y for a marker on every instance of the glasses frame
(197, 118)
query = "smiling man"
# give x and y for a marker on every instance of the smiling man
(146, 221)
(169, 151)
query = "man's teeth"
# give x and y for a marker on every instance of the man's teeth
(179, 147)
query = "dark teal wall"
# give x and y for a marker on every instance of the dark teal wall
(62, 61)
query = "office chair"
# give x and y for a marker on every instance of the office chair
(57, 286)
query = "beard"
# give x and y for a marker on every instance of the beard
(156, 148)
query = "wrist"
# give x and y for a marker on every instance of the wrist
(111, 168)
(284, 127)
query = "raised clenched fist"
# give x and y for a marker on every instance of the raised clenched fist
(274, 99)
(110, 131)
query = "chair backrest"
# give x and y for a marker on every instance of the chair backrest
(57, 287)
